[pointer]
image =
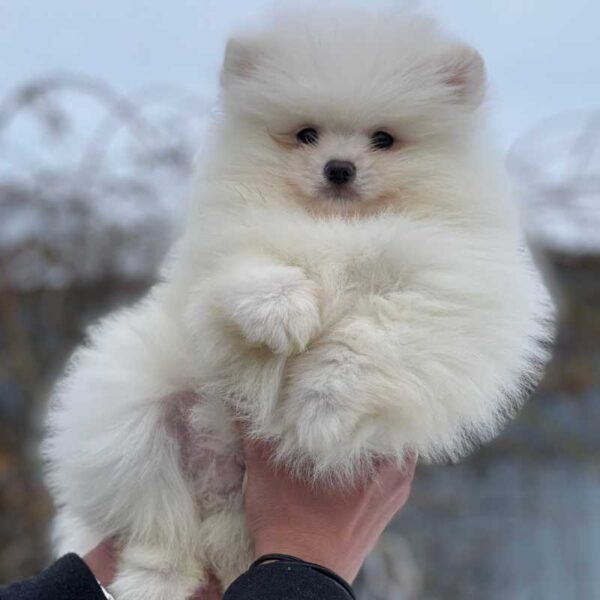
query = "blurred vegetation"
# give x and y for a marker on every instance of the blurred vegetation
(38, 330)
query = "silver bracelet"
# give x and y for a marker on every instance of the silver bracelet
(106, 593)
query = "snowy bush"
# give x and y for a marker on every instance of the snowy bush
(91, 182)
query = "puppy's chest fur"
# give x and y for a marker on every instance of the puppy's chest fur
(344, 259)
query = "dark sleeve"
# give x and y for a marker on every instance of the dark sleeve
(69, 578)
(279, 580)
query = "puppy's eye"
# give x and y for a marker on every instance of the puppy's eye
(381, 140)
(309, 135)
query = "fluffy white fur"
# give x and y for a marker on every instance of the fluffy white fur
(406, 317)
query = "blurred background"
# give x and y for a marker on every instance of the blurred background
(102, 105)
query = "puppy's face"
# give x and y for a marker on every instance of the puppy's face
(351, 115)
(332, 169)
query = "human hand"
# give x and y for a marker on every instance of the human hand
(333, 527)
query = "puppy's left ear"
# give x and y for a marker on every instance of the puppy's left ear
(241, 58)
(463, 73)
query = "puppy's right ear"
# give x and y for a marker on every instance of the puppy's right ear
(241, 58)
(462, 72)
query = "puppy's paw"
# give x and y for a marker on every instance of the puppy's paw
(277, 307)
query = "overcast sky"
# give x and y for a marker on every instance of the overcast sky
(543, 55)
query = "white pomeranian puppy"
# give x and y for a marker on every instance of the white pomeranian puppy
(351, 283)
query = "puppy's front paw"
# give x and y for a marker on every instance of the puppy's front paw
(277, 307)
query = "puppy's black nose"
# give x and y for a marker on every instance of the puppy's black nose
(340, 172)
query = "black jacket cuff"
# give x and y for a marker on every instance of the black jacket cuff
(69, 578)
(292, 581)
